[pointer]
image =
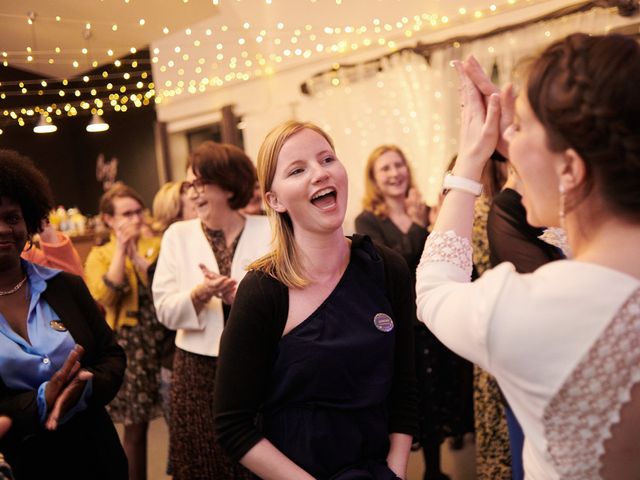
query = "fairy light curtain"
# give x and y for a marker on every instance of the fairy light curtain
(408, 101)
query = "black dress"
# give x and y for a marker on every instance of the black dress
(332, 389)
(327, 404)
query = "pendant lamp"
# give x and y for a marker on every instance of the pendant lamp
(45, 125)
(97, 124)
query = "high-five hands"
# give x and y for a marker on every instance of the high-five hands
(65, 387)
(507, 100)
(479, 124)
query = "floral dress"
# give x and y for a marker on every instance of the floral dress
(138, 400)
(493, 456)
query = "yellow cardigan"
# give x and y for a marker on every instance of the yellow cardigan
(121, 304)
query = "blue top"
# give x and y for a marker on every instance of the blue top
(30, 366)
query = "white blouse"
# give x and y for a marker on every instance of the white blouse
(563, 343)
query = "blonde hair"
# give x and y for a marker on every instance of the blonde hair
(283, 262)
(167, 206)
(373, 200)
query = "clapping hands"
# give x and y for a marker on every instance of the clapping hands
(216, 285)
(65, 387)
(416, 209)
(126, 234)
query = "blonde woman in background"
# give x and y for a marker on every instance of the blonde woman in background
(395, 216)
(171, 204)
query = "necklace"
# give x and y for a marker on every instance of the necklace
(14, 289)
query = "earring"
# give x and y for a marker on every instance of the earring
(561, 212)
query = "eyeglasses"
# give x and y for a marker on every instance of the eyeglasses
(198, 185)
(138, 212)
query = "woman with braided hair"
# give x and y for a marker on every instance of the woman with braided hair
(564, 341)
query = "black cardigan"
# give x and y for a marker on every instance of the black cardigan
(87, 445)
(512, 239)
(385, 232)
(249, 346)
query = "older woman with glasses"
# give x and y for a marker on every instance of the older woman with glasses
(117, 276)
(202, 262)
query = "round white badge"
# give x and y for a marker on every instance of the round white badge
(383, 322)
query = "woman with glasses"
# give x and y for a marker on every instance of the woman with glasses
(117, 276)
(194, 285)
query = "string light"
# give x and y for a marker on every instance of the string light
(283, 42)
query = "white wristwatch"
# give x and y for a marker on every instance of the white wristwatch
(451, 182)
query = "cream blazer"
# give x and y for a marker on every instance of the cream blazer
(184, 246)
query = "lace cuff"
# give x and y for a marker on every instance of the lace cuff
(450, 248)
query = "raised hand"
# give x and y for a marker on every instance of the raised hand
(125, 232)
(487, 88)
(479, 126)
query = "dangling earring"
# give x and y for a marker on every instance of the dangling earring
(561, 209)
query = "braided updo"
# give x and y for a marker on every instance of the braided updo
(585, 90)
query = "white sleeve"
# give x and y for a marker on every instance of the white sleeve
(456, 311)
(174, 307)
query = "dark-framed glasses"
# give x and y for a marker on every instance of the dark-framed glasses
(198, 185)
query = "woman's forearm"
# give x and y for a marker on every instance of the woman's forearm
(115, 274)
(269, 463)
(399, 451)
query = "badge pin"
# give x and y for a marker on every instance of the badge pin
(57, 325)
(383, 322)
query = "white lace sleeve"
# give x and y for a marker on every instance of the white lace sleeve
(579, 418)
(450, 248)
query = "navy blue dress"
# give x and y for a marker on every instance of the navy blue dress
(327, 407)
(330, 392)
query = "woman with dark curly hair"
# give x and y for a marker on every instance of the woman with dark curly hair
(60, 364)
(563, 342)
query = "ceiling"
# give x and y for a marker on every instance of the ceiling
(113, 25)
(87, 56)
(69, 37)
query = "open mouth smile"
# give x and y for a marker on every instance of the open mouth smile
(324, 199)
